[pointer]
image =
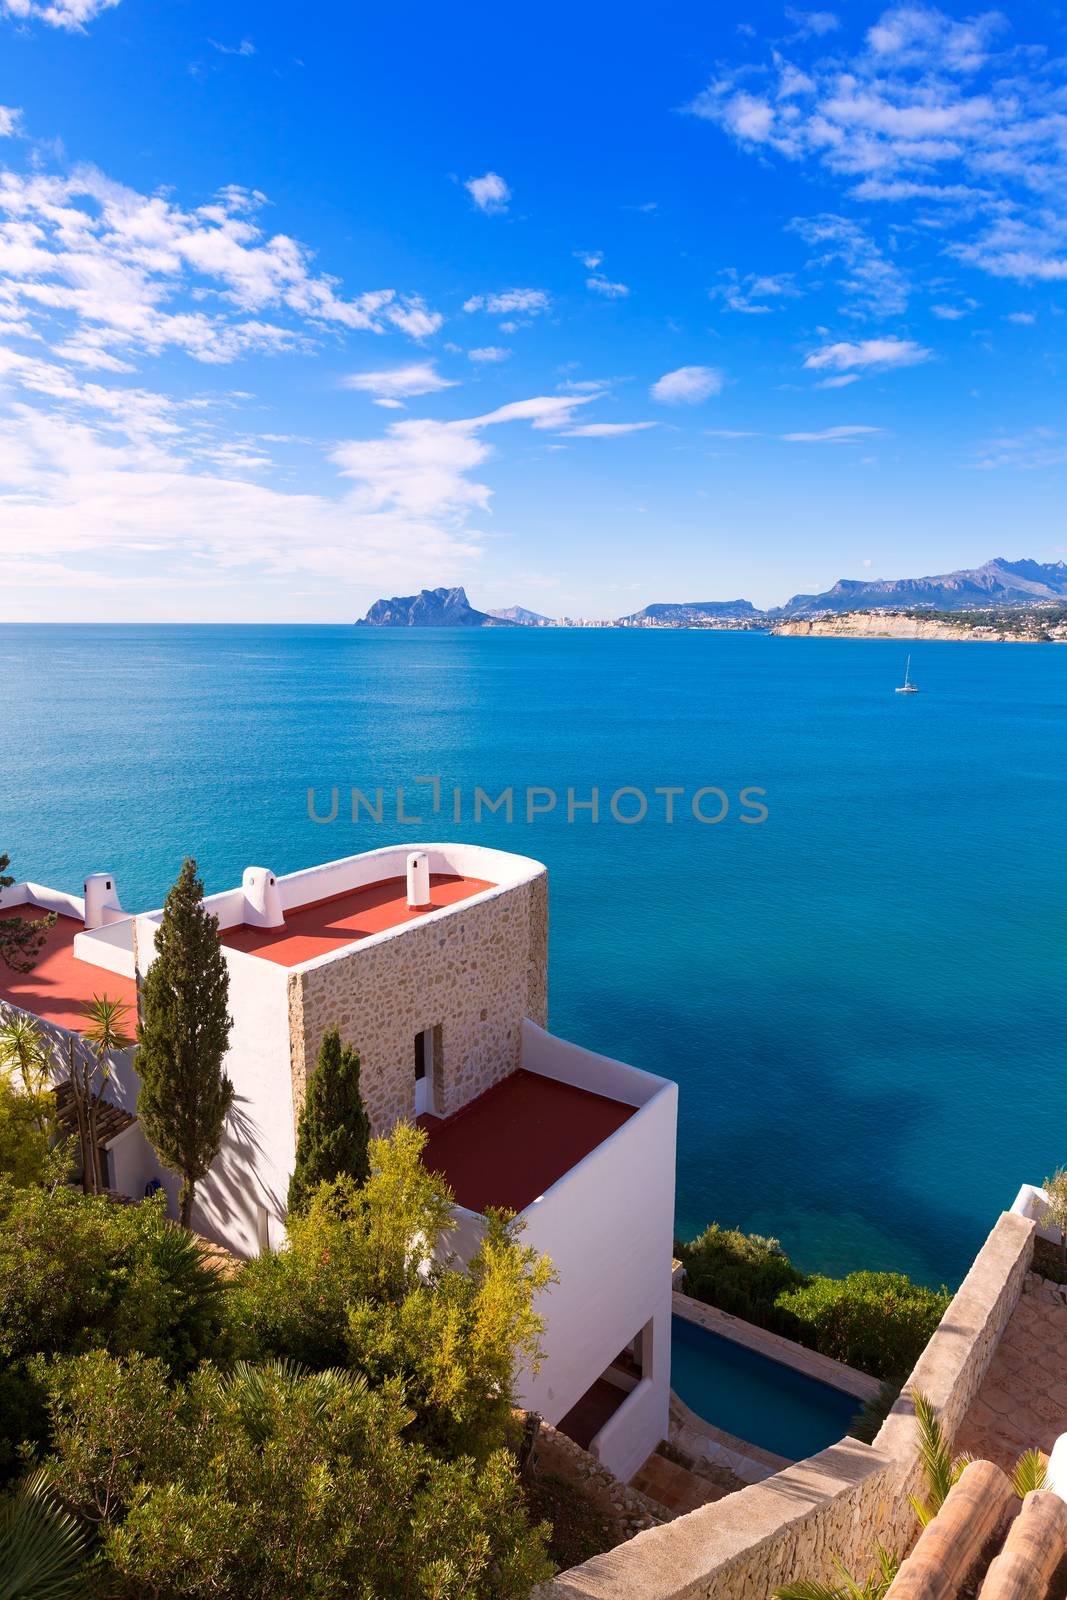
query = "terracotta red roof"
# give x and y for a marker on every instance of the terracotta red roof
(518, 1138)
(325, 925)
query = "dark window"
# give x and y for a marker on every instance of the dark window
(420, 1056)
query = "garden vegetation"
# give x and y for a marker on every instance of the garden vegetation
(878, 1322)
(332, 1420)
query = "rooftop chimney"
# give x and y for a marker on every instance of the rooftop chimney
(263, 898)
(101, 899)
(418, 880)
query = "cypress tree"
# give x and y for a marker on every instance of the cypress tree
(334, 1129)
(183, 1034)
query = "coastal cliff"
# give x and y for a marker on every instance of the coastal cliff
(1022, 627)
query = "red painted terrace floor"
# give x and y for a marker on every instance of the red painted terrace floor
(326, 925)
(60, 985)
(518, 1138)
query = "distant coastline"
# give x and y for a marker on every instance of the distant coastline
(993, 626)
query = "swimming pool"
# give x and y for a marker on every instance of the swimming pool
(757, 1399)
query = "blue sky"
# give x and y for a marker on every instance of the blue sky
(582, 309)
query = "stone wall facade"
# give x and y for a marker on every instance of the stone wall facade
(470, 976)
(839, 1504)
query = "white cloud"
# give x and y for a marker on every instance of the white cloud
(245, 48)
(610, 291)
(126, 274)
(874, 285)
(929, 111)
(605, 430)
(488, 353)
(1025, 318)
(490, 193)
(950, 313)
(399, 383)
(748, 294)
(868, 354)
(526, 302)
(10, 121)
(815, 23)
(69, 14)
(130, 484)
(842, 435)
(590, 259)
(687, 385)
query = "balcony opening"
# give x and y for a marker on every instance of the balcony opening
(607, 1393)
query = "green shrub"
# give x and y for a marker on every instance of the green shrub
(876, 1321)
(271, 1482)
(742, 1273)
(24, 1120)
(349, 1290)
(79, 1272)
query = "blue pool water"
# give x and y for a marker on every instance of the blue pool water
(862, 998)
(759, 1400)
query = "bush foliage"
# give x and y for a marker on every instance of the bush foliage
(329, 1421)
(878, 1322)
(197, 1492)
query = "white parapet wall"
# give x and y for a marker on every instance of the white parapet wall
(608, 1226)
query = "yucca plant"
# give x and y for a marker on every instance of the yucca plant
(104, 1034)
(42, 1547)
(873, 1587)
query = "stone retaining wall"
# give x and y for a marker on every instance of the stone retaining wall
(838, 1504)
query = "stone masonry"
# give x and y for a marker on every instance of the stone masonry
(471, 976)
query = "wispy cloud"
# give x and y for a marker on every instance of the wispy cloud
(868, 355)
(510, 302)
(590, 259)
(813, 24)
(399, 383)
(10, 121)
(687, 386)
(490, 193)
(750, 293)
(245, 48)
(605, 430)
(874, 286)
(930, 110)
(846, 434)
(610, 291)
(69, 14)
(488, 353)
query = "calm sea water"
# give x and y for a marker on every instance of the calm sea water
(862, 998)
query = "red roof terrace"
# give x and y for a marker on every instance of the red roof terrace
(326, 925)
(60, 985)
(517, 1139)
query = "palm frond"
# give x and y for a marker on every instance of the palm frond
(807, 1589)
(934, 1454)
(42, 1547)
(256, 1388)
(1029, 1472)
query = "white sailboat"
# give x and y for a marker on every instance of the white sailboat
(907, 687)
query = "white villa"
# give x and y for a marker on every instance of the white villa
(431, 959)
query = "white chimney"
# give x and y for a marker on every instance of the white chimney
(418, 880)
(101, 897)
(263, 898)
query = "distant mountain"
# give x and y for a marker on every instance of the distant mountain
(680, 612)
(519, 614)
(999, 582)
(430, 608)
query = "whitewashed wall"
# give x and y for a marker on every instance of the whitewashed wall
(608, 1226)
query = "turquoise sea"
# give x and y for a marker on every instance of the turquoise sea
(862, 998)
